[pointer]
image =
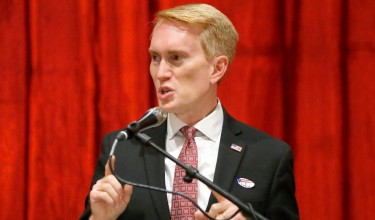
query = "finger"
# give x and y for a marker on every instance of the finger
(222, 208)
(198, 215)
(110, 190)
(107, 169)
(219, 197)
(221, 216)
(128, 190)
(216, 209)
(113, 182)
(100, 196)
(229, 212)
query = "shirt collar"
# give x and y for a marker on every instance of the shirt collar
(210, 126)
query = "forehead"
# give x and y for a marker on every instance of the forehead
(183, 26)
(174, 33)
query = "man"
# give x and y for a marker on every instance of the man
(191, 48)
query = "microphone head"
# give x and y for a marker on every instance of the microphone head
(153, 118)
(160, 114)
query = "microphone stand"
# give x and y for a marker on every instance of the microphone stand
(191, 173)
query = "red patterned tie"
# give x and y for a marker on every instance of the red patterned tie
(182, 209)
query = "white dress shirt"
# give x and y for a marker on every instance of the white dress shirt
(207, 138)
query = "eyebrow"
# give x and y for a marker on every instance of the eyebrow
(151, 51)
(169, 52)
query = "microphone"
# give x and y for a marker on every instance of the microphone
(152, 118)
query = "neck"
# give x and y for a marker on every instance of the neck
(192, 117)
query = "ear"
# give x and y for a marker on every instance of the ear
(220, 65)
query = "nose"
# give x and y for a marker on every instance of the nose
(163, 71)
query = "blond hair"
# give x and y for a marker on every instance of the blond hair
(218, 36)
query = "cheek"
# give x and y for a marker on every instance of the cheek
(201, 78)
(197, 83)
(153, 72)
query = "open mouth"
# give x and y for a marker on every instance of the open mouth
(165, 90)
(165, 93)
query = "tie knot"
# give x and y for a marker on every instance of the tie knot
(188, 131)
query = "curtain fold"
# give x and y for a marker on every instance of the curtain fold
(121, 63)
(62, 112)
(360, 112)
(319, 108)
(14, 52)
(73, 71)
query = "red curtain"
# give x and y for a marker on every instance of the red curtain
(71, 71)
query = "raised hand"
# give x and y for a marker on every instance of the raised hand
(223, 209)
(108, 199)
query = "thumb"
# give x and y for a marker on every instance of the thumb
(107, 169)
(128, 189)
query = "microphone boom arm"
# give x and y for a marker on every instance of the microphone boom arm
(191, 173)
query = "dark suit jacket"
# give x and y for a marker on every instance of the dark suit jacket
(265, 160)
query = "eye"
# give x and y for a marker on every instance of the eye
(176, 57)
(155, 58)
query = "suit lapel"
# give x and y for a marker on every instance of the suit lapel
(228, 159)
(154, 163)
(226, 167)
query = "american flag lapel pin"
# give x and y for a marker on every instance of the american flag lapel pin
(236, 147)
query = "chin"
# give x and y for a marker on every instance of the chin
(168, 107)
